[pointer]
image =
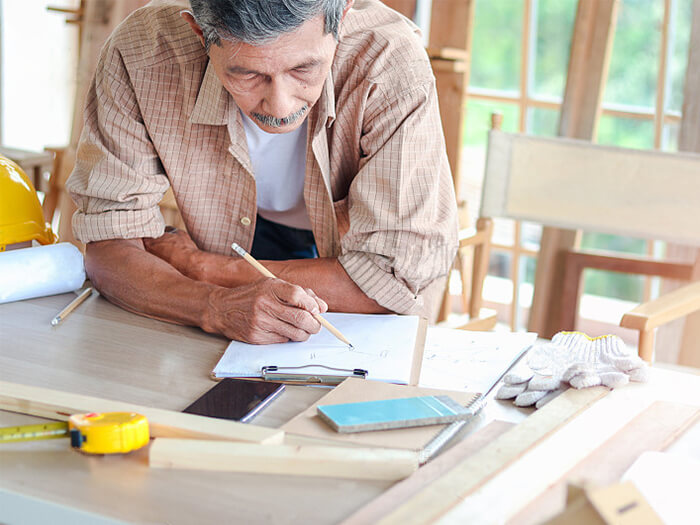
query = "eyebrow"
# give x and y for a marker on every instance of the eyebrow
(240, 70)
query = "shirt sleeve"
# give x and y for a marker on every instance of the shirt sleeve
(118, 179)
(402, 207)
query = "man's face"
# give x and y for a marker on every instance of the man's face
(277, 83)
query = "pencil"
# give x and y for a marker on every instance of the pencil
(267, 273)
(72, 306)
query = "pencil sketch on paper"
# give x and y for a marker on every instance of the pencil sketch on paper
(382, 344)
(470, 361)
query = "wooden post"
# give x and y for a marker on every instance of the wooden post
(591, 47)
(684, 334)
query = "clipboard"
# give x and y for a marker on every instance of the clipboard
(324, 374)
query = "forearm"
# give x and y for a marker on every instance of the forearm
(328, 279)
(269, 311)
(324, 276)
(144, 284)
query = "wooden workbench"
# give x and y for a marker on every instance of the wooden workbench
(101, 350)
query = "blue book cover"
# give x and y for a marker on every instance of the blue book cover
(392, 413)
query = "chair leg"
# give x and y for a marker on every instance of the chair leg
(646, 345)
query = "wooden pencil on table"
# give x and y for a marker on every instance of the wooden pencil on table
(71, 306)
(267, 273)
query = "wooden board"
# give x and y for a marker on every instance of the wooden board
(319, 461)
(307, 427)
(56, 404)
(654, 429)
(425, 475)
(448, 490)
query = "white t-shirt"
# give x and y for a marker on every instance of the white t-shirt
(279, 166)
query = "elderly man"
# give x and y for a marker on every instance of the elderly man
(306, 131)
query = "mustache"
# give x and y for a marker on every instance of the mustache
(274, 122)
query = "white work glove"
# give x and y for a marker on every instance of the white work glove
(572, 358)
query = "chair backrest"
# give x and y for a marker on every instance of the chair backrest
(579, 185)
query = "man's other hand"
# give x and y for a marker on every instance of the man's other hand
(268, 311)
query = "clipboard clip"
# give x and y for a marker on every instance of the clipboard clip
(282, 373)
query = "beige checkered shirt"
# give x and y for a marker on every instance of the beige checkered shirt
(158, 116)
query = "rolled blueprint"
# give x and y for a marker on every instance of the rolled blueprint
(39, 271)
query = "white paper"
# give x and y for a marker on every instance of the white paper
(669, 482)
(383, 345)
(470, 361)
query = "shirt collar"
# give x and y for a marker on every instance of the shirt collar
(212, 105)
(327, 101)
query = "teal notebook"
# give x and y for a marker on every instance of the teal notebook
(392, 413)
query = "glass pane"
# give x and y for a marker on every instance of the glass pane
(499, 264)
(542, 121)
(478, 121)
(495, 62)
(503, 232)
(555, 24)
(635, 57)
(612, 284)
(626, 132)
(529, 265)
(669, 138)
(614, 243)
(679, 41)
(530, 235)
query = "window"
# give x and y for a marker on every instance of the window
(520, 52)
(39, 60)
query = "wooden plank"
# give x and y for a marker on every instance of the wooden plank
(448, 490)
(687, 331)
(654, 429)
(428, 473)
(320, 461)
(451, 24)
(56, 404)
(589, 59)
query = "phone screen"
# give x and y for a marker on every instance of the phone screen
(236, 399)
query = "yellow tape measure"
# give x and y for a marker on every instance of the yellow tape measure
(108, 433)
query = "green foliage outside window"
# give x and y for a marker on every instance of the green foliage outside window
(631, 84)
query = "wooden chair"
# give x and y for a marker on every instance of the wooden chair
(572, 184)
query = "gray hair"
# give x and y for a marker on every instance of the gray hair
(258, 22)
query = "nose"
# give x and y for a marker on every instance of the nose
(279, 101)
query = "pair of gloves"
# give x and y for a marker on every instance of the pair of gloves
(572, 358)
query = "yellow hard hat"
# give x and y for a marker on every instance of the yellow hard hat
(21, 218)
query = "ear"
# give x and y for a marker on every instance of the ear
(189, 18)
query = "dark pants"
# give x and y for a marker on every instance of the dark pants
(276, 242)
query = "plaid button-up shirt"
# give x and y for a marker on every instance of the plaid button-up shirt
(158, 116)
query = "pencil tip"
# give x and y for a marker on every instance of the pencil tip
(350, 345)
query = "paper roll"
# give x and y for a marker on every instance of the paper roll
(40, 271)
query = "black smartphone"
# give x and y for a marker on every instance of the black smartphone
(236, 399)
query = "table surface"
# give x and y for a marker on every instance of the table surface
(104, 351)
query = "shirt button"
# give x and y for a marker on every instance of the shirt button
(245, 221)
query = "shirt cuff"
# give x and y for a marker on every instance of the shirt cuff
(377, 284)
(117, 224)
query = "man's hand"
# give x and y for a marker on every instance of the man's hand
(267, 311)
(270, 311)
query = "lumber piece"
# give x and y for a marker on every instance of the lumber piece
(654, 429)
(402, 491)
(333, 462)
(56, 404)
(449, 490)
